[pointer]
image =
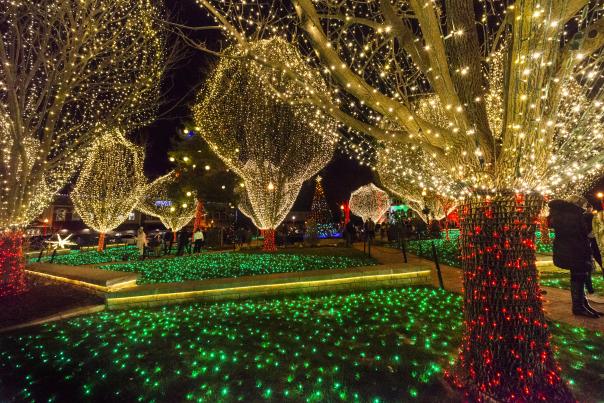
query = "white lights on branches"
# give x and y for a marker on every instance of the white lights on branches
(159, 201)
(111, 182)
(479, 124)
(263, 126)
(66, 67)
(369, 202)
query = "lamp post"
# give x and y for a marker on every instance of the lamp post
(600, 196)
(45, 225)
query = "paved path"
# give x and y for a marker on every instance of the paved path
(556, 302)
(103, 280)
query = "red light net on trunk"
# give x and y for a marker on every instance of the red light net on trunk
(506, 353)
(12, 265)
(269, 240)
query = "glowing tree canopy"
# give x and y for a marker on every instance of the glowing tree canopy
(369, 202)
(110, 184)
(408, 188)
(165, 199)
(498, 98)
(261, 126)
(66, 66)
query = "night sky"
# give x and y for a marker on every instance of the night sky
(340, 177)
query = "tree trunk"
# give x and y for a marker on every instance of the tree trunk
(506, 353)
(198, 221)
(12, 265)
(269, 240)
(101, 245)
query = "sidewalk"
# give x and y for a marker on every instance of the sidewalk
(556, 302)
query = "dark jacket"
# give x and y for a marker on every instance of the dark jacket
(571, 246)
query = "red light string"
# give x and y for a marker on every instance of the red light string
(505, 353)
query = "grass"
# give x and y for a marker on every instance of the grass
(78, 258)
(448, 250)
(557, 280)
(235, 264)
(384, 345)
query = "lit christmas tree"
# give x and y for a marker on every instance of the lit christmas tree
(319, 209)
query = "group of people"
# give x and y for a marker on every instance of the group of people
(577, 231)
(158, 243)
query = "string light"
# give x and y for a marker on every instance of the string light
(273, 140)
(65, 68)
(110, 184)
(369, 202)
(515, 109)
(160, 200)
(379, 346)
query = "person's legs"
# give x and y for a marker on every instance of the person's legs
(577, 292)
(588, 283)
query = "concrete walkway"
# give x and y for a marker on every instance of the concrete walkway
(557, 302)
(86, 276)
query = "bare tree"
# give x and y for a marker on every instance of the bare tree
(501, 99)
(65, 67)
(110, 184)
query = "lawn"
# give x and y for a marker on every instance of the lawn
(448, 250)
(558, 280)
(78, 258)
(384, 345)
(237, 264)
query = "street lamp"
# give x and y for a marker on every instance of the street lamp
(600, 196)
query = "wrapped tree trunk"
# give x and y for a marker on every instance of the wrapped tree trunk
(12, 266)
(101, 245)
(506, 353)
(269, 240)
(198, 221)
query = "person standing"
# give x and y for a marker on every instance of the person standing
(572, 250)
(141, 242)
(598, 232)
(168, 241)
(183, 241)
(198, 240)
(349, 233)
(589, 217)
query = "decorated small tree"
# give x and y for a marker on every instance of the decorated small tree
(65, 68)
(264, 131)
(319, 209)
(167, 200)
(321, 213)
(369, 202)
(110, 184)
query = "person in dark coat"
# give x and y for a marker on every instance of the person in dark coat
(183, 241)
(349, 233)
(595, 250)
(572, 250)
(168, 240)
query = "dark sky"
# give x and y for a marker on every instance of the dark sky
(341, 175)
